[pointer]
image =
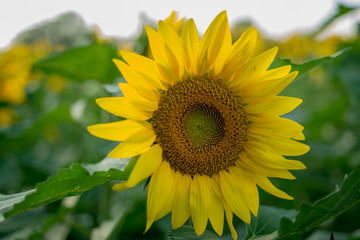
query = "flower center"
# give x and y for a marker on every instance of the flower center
(200, 125)
(203, 125)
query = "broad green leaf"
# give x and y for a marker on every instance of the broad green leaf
(90, 62)
(267, 222)
(68, 182)
(187, 232)
(311, 216)
(307, 66)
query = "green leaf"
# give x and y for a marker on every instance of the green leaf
(90, 62)
(187, 232)
(68, 182)
(307, 66)
(267, 222)
(309, 217)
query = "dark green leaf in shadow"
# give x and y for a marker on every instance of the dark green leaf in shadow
(187, 232)
(267, 221)
(311, 216)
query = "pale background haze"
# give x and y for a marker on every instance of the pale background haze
(118, 18)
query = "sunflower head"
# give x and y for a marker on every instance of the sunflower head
(204, 116)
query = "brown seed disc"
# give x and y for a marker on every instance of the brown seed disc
(200, 125)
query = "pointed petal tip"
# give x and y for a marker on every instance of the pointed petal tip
(90, 128)
(148, 28)
(116, 61)
(274, 51)
(223, 12)
(289, 197)
(148, 225)
(122, 53)
(100, 102)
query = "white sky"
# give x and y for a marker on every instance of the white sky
(121, 18)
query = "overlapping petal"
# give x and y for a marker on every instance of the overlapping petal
(160, 188)
(200, 192)
(134, 145)
(117, 131)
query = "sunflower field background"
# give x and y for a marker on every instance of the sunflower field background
(56, 179)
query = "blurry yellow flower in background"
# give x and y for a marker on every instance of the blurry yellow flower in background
(204, 116)
(7, 116)
(15, 73)
(300, 47)
(15, 66)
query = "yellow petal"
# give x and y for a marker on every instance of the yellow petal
(253, 72)
(156, 44)
(152, 95)
(134, 98)
(299, 136)
(241, 51)
(270, 126)
(216, 214)
(167, 73)
(121, 107)
(199, 202)
(275, 126)
(247, 163)
(229, 219)
(261, 153)
(265, 184)
(145, 66)
(174, 22)
(172, 40)
(134, 145)
(279, 72)
(262, 62)
(147, 163)
(190, 38)
(173, 63)
(225, 50)
(248, 187)
(276, 106)
(181, 205)
(168, 205)
(283, 146)
(157, 47)
(212, 40)
(269, 88)
(117, 131)
(159, 191)
(234, 196)
(133, 77)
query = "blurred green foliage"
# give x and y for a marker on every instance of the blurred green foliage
(47, 132)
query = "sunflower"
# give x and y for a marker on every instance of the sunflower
(204, 118)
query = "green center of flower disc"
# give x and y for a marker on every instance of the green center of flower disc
(203, 125)
(200, 125)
